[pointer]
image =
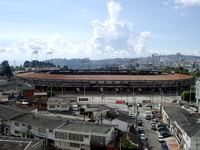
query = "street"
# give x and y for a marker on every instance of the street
(152, 136)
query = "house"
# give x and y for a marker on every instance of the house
(59, 103)
(15, 143)
(122, 121)
(82, 135)
(6, 114)
(35, 126)
(15, 89)
(183, 125)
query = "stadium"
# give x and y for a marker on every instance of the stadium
(111, 82)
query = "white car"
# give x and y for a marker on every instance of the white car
(143, 136)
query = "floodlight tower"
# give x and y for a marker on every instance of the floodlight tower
(49, 55)
(34, 55)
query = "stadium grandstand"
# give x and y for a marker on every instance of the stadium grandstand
(95, 81)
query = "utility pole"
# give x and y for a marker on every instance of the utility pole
(190, 94)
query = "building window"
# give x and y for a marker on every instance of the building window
(100, 140)
(41, 130)
(50, 130)
(17, 132)
(61, 135)
(86, 136)
(74, 145)
(23, 125)
(51, 106)
(16, 124)
(75, 137)
(83, 99)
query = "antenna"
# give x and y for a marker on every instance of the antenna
(49, 55)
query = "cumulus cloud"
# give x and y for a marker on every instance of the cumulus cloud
(114, 36)
(188, 2)
(111, 38)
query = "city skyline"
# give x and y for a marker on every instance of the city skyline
(98, 28)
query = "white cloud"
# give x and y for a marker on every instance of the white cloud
(110, 38)
(188, 2)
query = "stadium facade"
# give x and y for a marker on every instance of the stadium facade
(107, 81)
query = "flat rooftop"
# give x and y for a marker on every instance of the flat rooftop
(15, 143)
(46, 76)
(87, 127)
(7, 113)
(40, 121)
(184, 119)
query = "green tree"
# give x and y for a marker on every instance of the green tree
(6, 70)
(188, 96)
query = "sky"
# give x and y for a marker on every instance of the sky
(97, 29)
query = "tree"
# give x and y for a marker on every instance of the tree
(6, 70)
(188, 96)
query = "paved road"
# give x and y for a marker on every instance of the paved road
(151, 135)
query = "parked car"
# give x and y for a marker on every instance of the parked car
(139, 104)
(140, 130)
(152, 121)
(164, 146)
(163, 129)
(139, 122)
(165, 134)
(143, 136)
(156, 120)
(132, 115)
(153, 127)
(148, 117)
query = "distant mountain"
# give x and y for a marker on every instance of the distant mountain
(121, 62)
(92, 64)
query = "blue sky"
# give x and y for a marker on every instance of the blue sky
(97, 28)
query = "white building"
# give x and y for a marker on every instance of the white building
(34, 126)
(198, 94)
(122, 122)
(77, 136)
(183, 125)
(60, 103)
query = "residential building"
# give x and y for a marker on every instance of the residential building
(59, 103)
(122, 121)
(81, 135)
(183, 125)
(6, 114)
(35, 126)
(15, 143)
(198, 94)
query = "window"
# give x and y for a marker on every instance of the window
(75, 137)
(17, 132)
(23, 125)
(98, 140)
(86, 136)
(41, 130)
(83, 99)
(61, 135)
(74, 145)
(51, 106)
(16, 124)
(50, 130)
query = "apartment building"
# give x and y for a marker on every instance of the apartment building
(84, 136)
(183, 125)
(60, 103)
(35, 126)
(16, 143)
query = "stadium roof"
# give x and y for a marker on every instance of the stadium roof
(46, 76)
